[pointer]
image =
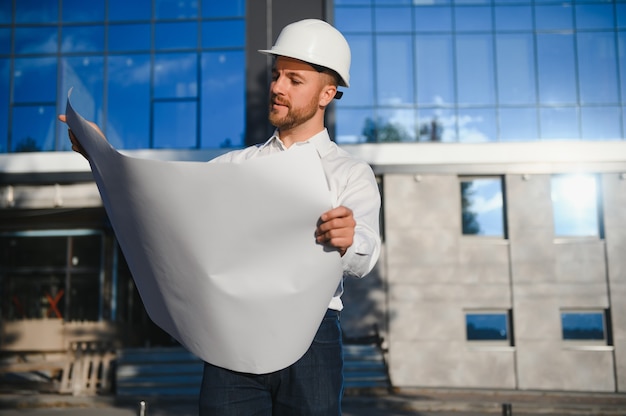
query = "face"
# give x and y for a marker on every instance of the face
(296, 93)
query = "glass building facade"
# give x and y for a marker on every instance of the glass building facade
(152, 73)
(483, 70)
(164, 74)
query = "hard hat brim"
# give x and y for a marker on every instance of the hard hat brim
(342, 81)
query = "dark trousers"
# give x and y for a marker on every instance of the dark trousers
(313, 386)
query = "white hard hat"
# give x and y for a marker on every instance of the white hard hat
(315, 42)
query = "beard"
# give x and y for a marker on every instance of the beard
(294, 116)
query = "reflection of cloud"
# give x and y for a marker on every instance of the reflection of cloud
(77, 43)
(127, 72)
(470, 133)
(49, 44)
(481, 205)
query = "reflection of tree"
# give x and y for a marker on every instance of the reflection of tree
(27, 144)
(468, 217)
(583, 333)
(385, 131)
(482, 333)
(433, 130)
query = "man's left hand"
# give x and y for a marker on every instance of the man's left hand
(336, 229)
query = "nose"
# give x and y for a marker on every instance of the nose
(277, 86)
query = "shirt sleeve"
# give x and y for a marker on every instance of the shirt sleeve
(362, 196)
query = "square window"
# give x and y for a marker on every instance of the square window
(580, 325)
(575, 205)
(488, 326)
(482, 206)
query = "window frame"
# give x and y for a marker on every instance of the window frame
(510, 334)
(590, 342)
(469, 178)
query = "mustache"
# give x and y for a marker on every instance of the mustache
(275, 99)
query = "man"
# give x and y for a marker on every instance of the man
(311, 59)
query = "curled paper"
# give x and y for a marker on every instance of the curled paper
(223, 254)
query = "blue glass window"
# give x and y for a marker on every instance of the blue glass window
(175, 75)
(477, 125)
(223, 98)
(559, 123)
(482, 206)
(174, 125)
(130, 10)
(518, 124)
(583, 326)
(516, 69)
(357, 126)
(594, 16)
(434, 61)
(5, 41)
(224, 34)
(621, 44)
(557, 68)
(597, 67)
(36, 11)
(492, 326)
(35, 80)
(433, 19)
(353, 19)
(35, 40)
(396, 125)
(176, 9)
(129, 37)
(473, 19)
(475, 69)
(575, 205)
(176, 35)
(230, 8)
(33, 128)
(601, 123)
(4, 103)
(352, 2)
(361, 81)
(621, 15)
(83, 39)
(394, 82)
(392, 19)
(6, 11)
(554, 17)
(129, 87)
(437, 125)
(510, 18)
(75, 11)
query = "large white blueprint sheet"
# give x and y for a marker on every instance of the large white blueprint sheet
(223, 254)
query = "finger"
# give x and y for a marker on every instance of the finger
(338, 212)
(62, 118)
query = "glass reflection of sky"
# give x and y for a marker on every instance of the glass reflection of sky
(507, 71)
(486, 326)
(485, 204)
(575, 204)
(154, 65)
(583, 325)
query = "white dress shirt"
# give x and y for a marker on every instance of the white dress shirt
(352, 184)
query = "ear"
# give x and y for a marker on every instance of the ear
(327, 94)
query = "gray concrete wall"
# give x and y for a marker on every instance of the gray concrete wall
(614, 193)
(548, 275)
(432, 274)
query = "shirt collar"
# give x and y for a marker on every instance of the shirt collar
(321, 141)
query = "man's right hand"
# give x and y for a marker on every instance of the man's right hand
(76, 146)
